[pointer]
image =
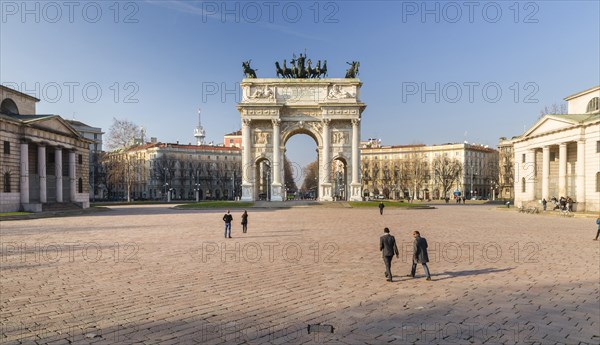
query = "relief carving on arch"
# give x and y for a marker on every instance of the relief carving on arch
(262, 138)
(316, 125)
(339, 137)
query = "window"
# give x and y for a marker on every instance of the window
(80, 160)
(80, 185)
(6, 147)
(597, 182)
(593, 105)
(523, 189)
(597, 147)
(6, 183)
(523, 158)
(552, 156)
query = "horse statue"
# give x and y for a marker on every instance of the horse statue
(322, 70)
(287, 72)
(318, 69)
(278, 70)
(352, 72)
(249, 72)
(294, 69)
(311, 72)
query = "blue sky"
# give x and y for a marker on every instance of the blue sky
(155, 61)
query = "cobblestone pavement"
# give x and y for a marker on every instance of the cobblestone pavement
(155, 275)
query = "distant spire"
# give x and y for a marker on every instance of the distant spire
(199, 132)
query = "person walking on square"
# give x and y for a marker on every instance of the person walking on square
(245, 221)
(381, 206)
(420, 255)
(227, 218)
(388, 247)
(597, 233)
(544, 203)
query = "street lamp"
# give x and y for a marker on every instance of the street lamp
(471, 196)
(165, 185)
(197, 189)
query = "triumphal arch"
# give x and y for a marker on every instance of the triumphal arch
(274, 109)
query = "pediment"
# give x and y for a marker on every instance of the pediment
(56, 125)
(548, 124)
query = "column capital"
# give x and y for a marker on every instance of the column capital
(562, 145)
(326, 122)
(355, 122)
(246, 122)
(276, 122)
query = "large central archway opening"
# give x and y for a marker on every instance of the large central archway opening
(301, 170)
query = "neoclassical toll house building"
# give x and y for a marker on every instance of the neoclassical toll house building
(43, 161)
(560, 155)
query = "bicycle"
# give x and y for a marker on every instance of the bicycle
(566, 213)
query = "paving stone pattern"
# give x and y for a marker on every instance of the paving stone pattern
(156, 275)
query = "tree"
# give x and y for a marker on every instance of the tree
(288, 175)
(554, 109)
(311, 173)
(122, 169)
(446, 171)
(122, 166)
(122, 134)
(163, 171)
(416, 173)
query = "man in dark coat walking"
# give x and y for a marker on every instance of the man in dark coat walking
(387, 246)
(420, 255)
(381, 206)
(227, 218)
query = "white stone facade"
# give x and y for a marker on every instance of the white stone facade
(43, 159)
(274, 110)
(560, 156)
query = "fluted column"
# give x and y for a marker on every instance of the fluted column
(247, 166)
(355, 150)
(276, 152)
(276, 194)
(562, 170)
(24, 173)
(326, 152)
(580, 191)
(326, 189)
(546, 173)
(42, 173)
(58, 173)
(72, 179)
(355, 186)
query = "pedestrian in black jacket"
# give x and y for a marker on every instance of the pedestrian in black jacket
(227, 218)
(388, 247)
(420, 255)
